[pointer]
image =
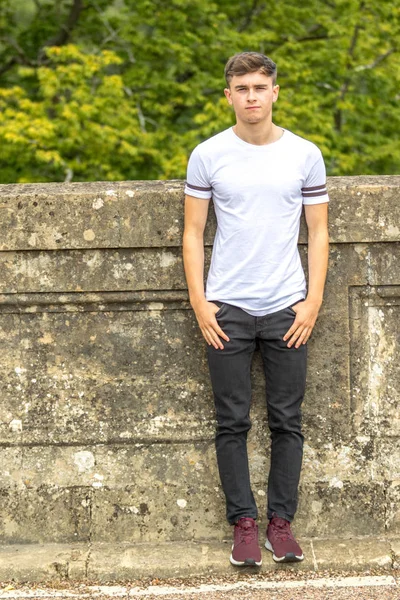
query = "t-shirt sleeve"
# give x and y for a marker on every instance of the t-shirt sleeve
(314, 190)
(198, 181)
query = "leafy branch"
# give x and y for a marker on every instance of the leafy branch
(377, 61)
(349, 61)
(64, 33)
(59, 39)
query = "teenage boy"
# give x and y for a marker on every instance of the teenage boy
(259, 176)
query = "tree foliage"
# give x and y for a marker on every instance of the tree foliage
(124, 89)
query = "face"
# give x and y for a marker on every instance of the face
(252, 96)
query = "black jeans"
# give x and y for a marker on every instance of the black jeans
(285, 374)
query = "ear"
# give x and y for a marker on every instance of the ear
(275, 93)
(228, 95)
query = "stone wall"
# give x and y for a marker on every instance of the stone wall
(106, 412)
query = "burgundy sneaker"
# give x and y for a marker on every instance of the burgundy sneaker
(281, 542)
(245, 549)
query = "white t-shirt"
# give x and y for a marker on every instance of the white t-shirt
(258, 193)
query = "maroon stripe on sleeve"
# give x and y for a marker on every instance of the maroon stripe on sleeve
(196, 187)
(312, 189)
(314, 194)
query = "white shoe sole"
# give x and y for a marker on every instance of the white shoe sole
(290, 557)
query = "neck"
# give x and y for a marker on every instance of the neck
(258, 134)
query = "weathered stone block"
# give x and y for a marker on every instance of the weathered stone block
(37, 562)
(44, 514)
(164, 492)
(354, 554)
(106, 410)
(357, 509)
(105, 375)
(392, 508)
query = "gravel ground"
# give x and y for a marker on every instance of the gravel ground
(183, 588)
(344, 594)
(280, 577)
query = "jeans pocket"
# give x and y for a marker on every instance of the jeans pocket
(221, 307)
(295, 304)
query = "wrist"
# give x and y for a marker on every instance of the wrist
(197, 301)
(316, 300)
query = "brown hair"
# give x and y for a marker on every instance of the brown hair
(249, 62)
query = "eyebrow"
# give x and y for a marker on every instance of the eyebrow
(237, 87)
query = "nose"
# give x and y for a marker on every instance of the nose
(251, 95)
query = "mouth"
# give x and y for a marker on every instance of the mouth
(252, 107)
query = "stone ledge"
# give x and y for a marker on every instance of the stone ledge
(89, 215)
(42, 562)
(103, 562)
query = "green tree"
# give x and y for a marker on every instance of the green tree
(80, 121)
(142, 83)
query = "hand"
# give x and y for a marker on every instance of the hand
(212, 332)
(306, 315)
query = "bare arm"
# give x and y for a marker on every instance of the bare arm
(318, 250)
(196, 211)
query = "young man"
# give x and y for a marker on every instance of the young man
(259, 176)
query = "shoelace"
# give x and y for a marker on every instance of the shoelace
(247, 532)
(281, 529)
